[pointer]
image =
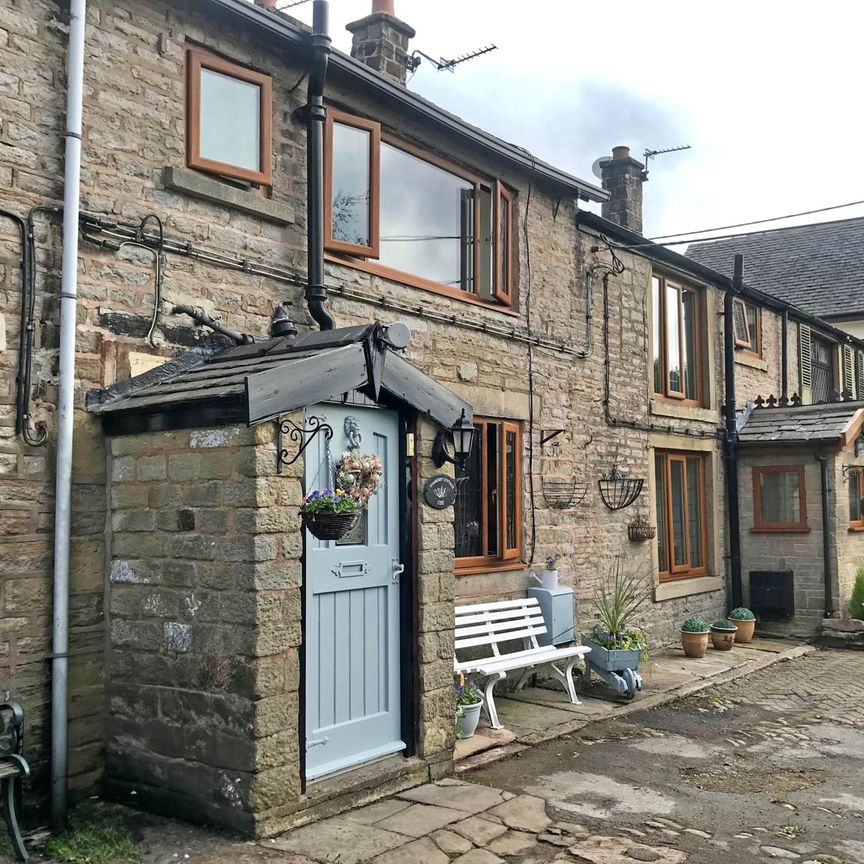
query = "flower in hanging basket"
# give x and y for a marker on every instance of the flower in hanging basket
(331, 513)
(359, 474)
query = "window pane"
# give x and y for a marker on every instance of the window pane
(823, 370)
(656, 335)
(694, 511)
(662, 524)
(673, 344)
(492, 473)
(856, 506)
(779, 496)
(739, 320)
(350, 194)
(506, 233)
(679, 542)
(510, 488)
(753, 325)
(468, 507)
(483, 285)
(423, 225)
(689, 323)
(230, 120)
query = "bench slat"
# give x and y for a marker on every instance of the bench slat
(503, 637)
(505, 615)
(501, 627)
(526, 602)
(520, 659)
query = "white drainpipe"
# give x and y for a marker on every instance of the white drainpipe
(65, 407)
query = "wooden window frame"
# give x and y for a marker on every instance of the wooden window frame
(373, 249)
(667, 393)
(857, 524)
(685, 571)
(502, 296)
(507, 557)
(759, 525)
(198, 59)
(753, 345)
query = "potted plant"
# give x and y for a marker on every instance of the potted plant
(723, 634)
(330, 514)
(468, 705)
(616, 647)
(694, 637)
(745, 623)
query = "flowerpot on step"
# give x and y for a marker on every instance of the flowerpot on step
(467, 720)
(694, 644)
(745, 630)
(724, 639)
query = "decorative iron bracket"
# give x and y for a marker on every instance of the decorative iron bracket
(618, 490)
(301, 435)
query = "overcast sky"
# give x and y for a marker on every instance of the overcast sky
(766, 93)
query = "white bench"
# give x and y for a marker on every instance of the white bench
(491, 624)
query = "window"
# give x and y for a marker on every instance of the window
(823, 370)
(779, 498)
(681, 525)
(856, 498)
(677, 340)
(748, 330)
(488, 506)
(228, 119)
(414, 217)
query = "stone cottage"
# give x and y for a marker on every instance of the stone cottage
(224, 665)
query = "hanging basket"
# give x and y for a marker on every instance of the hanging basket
(561, 494)
(640, 530)
(330, 526)
(617, 490)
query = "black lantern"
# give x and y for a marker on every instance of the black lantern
(463, 432)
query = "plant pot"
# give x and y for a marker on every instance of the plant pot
(744, 629)
(723, 640)
(611, 661)
(466, 725)
(330, 526)
(694, 644)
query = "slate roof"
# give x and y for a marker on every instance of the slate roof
(830, 424)
(818, 268)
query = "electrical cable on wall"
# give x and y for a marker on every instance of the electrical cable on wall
(530, 363)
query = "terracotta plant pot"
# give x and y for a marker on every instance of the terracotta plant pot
(745, 629)
(723, 640)
(694, 644)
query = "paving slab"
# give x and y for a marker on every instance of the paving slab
(479, 856)
(468, 797)
(485, 738)
(418, 820)
(479, 831)
(339, 839)
(524, 813)
(519, 715)
(623, 850)
(372, 813)
(422, 851)
(514, 843)
(451, 842)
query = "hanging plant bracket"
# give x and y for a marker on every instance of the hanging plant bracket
(301, 435)
(561, 494)
(618, 490)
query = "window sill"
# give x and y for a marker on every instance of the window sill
(662, 408)
(752, 360)
(418, 282)
(684, 587)
(780, 530)
(489, 567)
(856, 529)
(205, 188)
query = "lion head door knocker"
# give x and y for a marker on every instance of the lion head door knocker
(352, 433)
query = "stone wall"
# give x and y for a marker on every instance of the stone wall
(850, 542)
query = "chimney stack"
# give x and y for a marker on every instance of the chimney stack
(381, 41)
(623, 177)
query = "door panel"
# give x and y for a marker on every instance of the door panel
(352, 607)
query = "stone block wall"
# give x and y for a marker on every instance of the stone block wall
(204, 606)
(850, 543)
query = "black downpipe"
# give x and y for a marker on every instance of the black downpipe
(316, 115)
(731, 439)
(784, 359)
(826, 535)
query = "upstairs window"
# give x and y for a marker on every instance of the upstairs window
(817, 361)
(747, 322)
(487, 517)
(228, 119)
(414, 217)
(856, 498)
(779, 502)
(677, 322)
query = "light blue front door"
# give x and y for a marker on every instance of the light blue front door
(352, 604)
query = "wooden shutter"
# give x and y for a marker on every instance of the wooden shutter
(805, 364)
(848, 389)
(859, 357)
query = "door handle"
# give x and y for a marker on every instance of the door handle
(398, 570)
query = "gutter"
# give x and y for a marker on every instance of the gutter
(65, 409)
(359, 76)
(656, 252)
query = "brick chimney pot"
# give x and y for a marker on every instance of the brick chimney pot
(623, 177)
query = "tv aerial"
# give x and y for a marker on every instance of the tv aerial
(444, 65)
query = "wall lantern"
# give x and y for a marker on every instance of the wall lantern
(464, 432)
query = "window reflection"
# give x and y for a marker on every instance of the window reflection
(350, 186)
(230, 125)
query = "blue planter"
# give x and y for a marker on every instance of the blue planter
(611, 661)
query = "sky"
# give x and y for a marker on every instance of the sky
(767, 94)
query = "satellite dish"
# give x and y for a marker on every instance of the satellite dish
(597, 167)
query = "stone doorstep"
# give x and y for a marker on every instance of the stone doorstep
(486, 738)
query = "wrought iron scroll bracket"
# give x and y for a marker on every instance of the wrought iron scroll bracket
(300, 435)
